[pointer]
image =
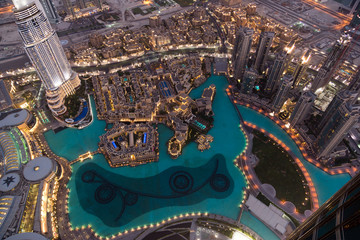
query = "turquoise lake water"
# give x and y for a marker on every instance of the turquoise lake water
(229, 141)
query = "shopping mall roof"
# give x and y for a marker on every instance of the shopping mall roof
(27, 236)
(38, 169)
(13, 118)
(9, 181)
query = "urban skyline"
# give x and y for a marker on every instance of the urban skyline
(162, 119)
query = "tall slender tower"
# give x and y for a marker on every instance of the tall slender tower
(302, 108)
(276, 72)
(340, 98)
(262, 50)
(279, 67)
(241, 52)
(301, 68)
(331, 62)
(98, 3)
(355, 82)
(43, 47)
(81, 3)
(334, 131)
(282, 93)
(50, 11)
(69, 8)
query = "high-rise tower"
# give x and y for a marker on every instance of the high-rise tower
(276, 72)
(282, 93)
(278, 69)
(262, 50)
(337, 218)
(241, 52)
(81, 4)
(355, 82)
(334, 131)
(50, 10)
(43, 47)
(301, 68)
(340, 98)
(302, 108)
(69, 8)
(331, 62)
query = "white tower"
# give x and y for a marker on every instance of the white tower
(43, 47)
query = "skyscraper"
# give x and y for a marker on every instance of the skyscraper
(69, 8)
(334, 131)
(302, 108)
(355, 21)
(98, 3)
(248, 80)
(301, 67)
(331, 62)
(241, 52)
(50, 10)
(286, 83)
(340, 98)
(43, 47)
(276, 72)
(5, 97)
(337, 218)
(354, 85)
(262, 50)
(81, 4)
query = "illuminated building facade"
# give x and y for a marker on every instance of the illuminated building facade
(355, 83)
(302, 108)
(282, 93)
(334, 131)
(50, 10)
(276, 72)
(262, 50)
(70, 5)
(331, 62)
(241, 52)
(43, 47)
(301, 68)
(340, 98)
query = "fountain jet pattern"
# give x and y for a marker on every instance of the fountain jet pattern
(211, 180)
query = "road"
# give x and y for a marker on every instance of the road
(145, 57)
(323, 8)
(285, 11)
(221, 34)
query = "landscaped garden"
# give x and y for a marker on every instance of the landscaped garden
(72, 102)
(276, 167)
(184, 3)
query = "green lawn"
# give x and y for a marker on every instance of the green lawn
(276, 167)
(184, 3)
(137, 10)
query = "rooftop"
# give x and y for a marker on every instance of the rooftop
(13, 118)
(38, 169)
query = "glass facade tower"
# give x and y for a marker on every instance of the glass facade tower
(337, 218)
(43, 47)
